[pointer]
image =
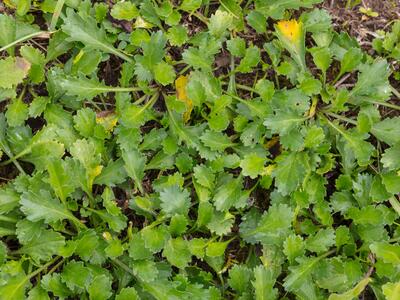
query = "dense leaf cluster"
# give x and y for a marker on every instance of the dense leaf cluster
(195, 149)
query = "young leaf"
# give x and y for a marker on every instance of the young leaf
(40, 205)
(263, 283)
(124, 11)
(174, 200)
(177, 253)
(134, 165)
(83, 28)
(59, 179)
(353, 293)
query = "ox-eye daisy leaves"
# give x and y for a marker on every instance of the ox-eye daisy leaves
(196, 150)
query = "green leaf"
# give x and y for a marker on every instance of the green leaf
(265, 89)
(190, 5)
(9, 199)
(351, 60)
(174, 200)
(391, 182)
(388, 130)
(13, 71)
(216, 141)
(16, 284)
(42, 248)
(322, 58)
(236, 46)
(250, 60)
(316, 21)
(115, 222)
(372, 88)
(37, 60)
(145, 270)
(155, 238)
(252, 165)
(391, 290)
(274, 225)
(124, 11)
(300, 274)
(54, 284)
(387, 252)
(230, 194)
(215, 249)
(294, 247)
(276, 9)
(7, 31)
(219, 22)
(204, 176)
(40, 205)
(128, 293)
(58, 45)
(83, 28)
(353, 293)
(239, 278)
(38, 293)
(310, 86)
(37, 106)
(283, 122)
(164, 73)
(263, 283)
(134, 165)
(76, 275)
(258, 21)
(59, 179)
(290, 171)
(177, 253)
(137, 249)
(100, 288)
(85, 152)
(85, 121)
(321, 241)
(3, 253)
(221, 222)
(17, 113)
(82, 87)
(177, 35)
(362, 149)
(390, 158)
(178, 225)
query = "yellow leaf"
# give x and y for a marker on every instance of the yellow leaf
(107, 236)
(313, 108)
(180, 85)
(22, 64)
(291, 30)
(268, 170)
(272, 142)
(78, 57)
(10, 3)
(92, 174)
(141, 23)
(107, 119)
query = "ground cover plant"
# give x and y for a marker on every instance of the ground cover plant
(197, 149)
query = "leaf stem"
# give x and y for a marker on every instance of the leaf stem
(386, 104)
(56, 14)
(14, 158)
(395, 92)
(395, 204)
(24, 38)
(124, 267)
(246, 88)
(8, 219)
(339, 117)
